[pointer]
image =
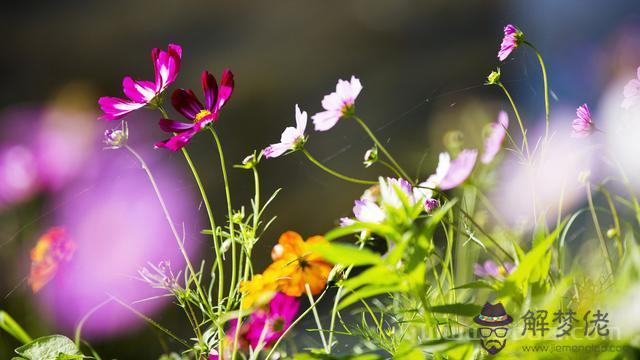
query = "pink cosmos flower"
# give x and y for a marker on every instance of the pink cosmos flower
(458, 170)
(583, 125)
(337, 104)
(510, 41)
(187, 104)
(494, 141)
(140, 93)
(368, 211)
(269, 324)
(632, 92)
(391, 190)
(292, 138)
(491, 269)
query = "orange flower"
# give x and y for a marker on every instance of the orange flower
(52, 248)
(297, 265)
(260, 289)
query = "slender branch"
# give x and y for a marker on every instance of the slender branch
(596, 223)
(317, 318)
(546, 87)
(335, 173)
(232, 287)
(515, 110)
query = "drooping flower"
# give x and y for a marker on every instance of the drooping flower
(511, 40)
(583, 125)
(370, 156)
(269, 324)
(53, 248)
(632, 92)
(160, 276)
(368, 211)
(298, 265)
(493, 142)
(391, 191)
(260, 289)
(187, 104)
(337, 104)
(117, 137)
(491, 269)
(141, 93)
(292, 138)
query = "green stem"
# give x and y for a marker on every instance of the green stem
(335, 173)
(212, 222)
(232, 287)
(383, 149)
(317, 319)
(546, 87)
(596, 223)
(515, 110)
(390, 167)
(165, 210)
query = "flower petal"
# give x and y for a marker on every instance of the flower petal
(186, 103)
(325, 120)
(116, 108)
(460, 169)
(138, 91)
(168, 125)
(210, 88)
(166, 65)
(176, 142)
(226, 89)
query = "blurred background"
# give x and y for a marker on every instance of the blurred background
(422, 65)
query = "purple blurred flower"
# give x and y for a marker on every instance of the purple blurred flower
(292, 138)
(510, 41)
(457, 171)
(493, 142)
(583, 125)
(200, 116)
(270, 323)
(491, 269)
(113, 215)
(337, 104)
(166, 65)
(632, 92)
(19, 178)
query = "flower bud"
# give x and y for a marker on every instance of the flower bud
(117, 137)
(370, 157)
(493, 78)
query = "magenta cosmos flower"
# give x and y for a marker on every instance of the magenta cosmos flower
(583, 125)
(187, 104)
(141, 93)
(337, 104)
(493, 142)
(269, 324)
(632, 92)
(491, 269)
(510, 41)
(292, 138)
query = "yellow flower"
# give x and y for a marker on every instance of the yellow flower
(51, 249)
(298, 266)
(259, 290)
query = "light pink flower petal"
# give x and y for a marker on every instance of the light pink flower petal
(301, 120)
(325, 120)
(368, 211)
(460, 169)
(332, 102)
(275, 150)
(493, 143)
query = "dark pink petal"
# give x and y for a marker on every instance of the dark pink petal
(138, 91)
(173, 126)
(116, 108)
(210, 88)
(176, 142)
(226, 89)
(186, 103)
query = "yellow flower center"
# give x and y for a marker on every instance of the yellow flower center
(201, 115)
(502, 271)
